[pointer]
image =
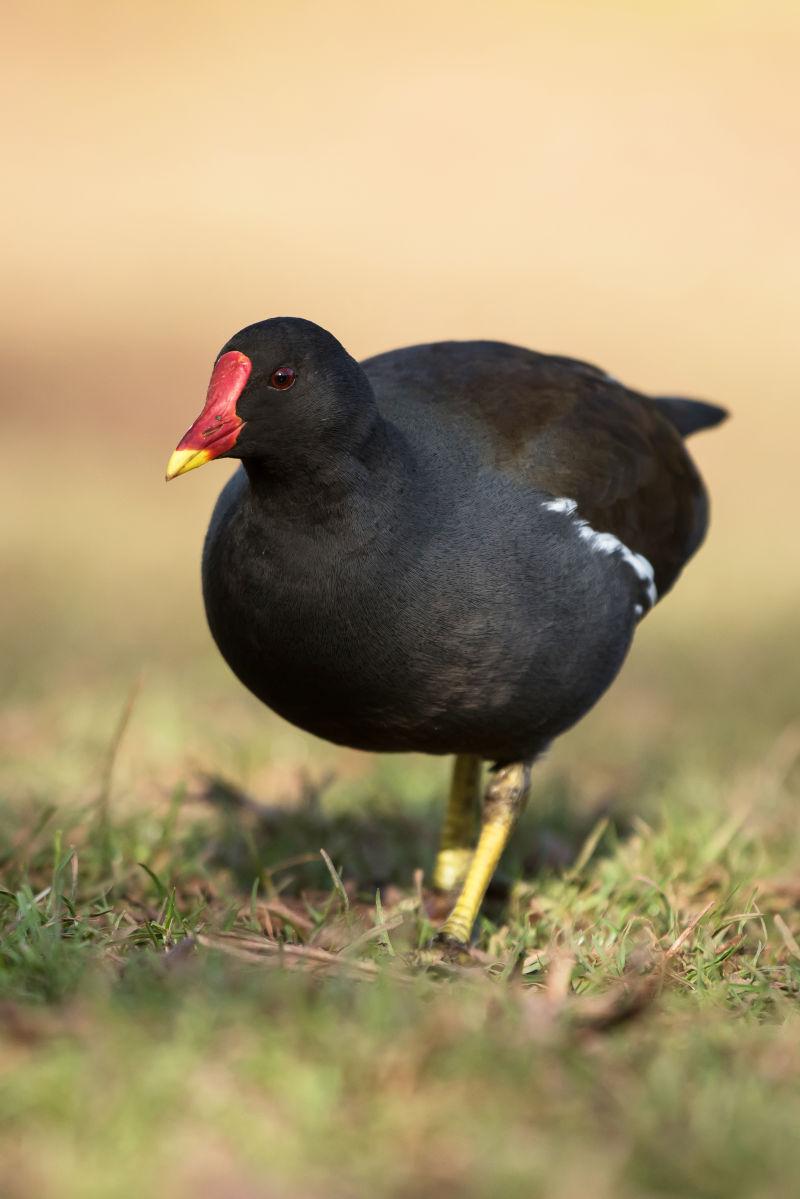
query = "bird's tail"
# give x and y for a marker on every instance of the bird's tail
(689, 416)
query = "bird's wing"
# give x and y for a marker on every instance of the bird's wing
(569, 429)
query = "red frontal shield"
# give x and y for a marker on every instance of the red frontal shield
(217, 427)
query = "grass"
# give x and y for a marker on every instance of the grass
(195, 1000)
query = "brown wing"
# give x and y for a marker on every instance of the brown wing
(572, 431)
(625, 465)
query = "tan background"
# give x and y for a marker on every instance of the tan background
(614, 180)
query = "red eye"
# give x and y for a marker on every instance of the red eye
(282, 378)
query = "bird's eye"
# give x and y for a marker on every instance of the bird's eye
(282, 378)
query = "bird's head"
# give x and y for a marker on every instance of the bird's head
(278, 390)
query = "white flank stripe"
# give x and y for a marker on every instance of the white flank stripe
(607, 543)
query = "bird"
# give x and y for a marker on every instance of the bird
(445, 548)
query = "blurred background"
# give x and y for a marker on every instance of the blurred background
(615, 181)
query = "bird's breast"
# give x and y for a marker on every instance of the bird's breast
(442, 642)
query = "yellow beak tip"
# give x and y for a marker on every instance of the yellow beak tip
(182, 461)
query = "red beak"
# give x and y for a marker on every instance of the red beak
(218, 425)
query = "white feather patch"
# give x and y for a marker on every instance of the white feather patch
(607, 543)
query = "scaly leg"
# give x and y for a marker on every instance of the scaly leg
(457, 842)
(504, 801)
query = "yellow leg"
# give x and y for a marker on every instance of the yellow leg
(505, 798)
(460, 822)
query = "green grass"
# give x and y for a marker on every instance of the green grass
(192, 1005)
(193, 1002)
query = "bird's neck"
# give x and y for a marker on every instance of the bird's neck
(357, 484)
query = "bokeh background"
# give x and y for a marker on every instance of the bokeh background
(612, 180)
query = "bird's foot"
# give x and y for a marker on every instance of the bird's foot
(444, 953)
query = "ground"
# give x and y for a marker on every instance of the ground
(197, 1001)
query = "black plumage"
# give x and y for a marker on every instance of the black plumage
(395, 566)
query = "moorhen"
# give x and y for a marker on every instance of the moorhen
(445, 548)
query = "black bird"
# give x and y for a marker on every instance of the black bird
(445, 548)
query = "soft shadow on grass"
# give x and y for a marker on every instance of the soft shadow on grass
(377, 844)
